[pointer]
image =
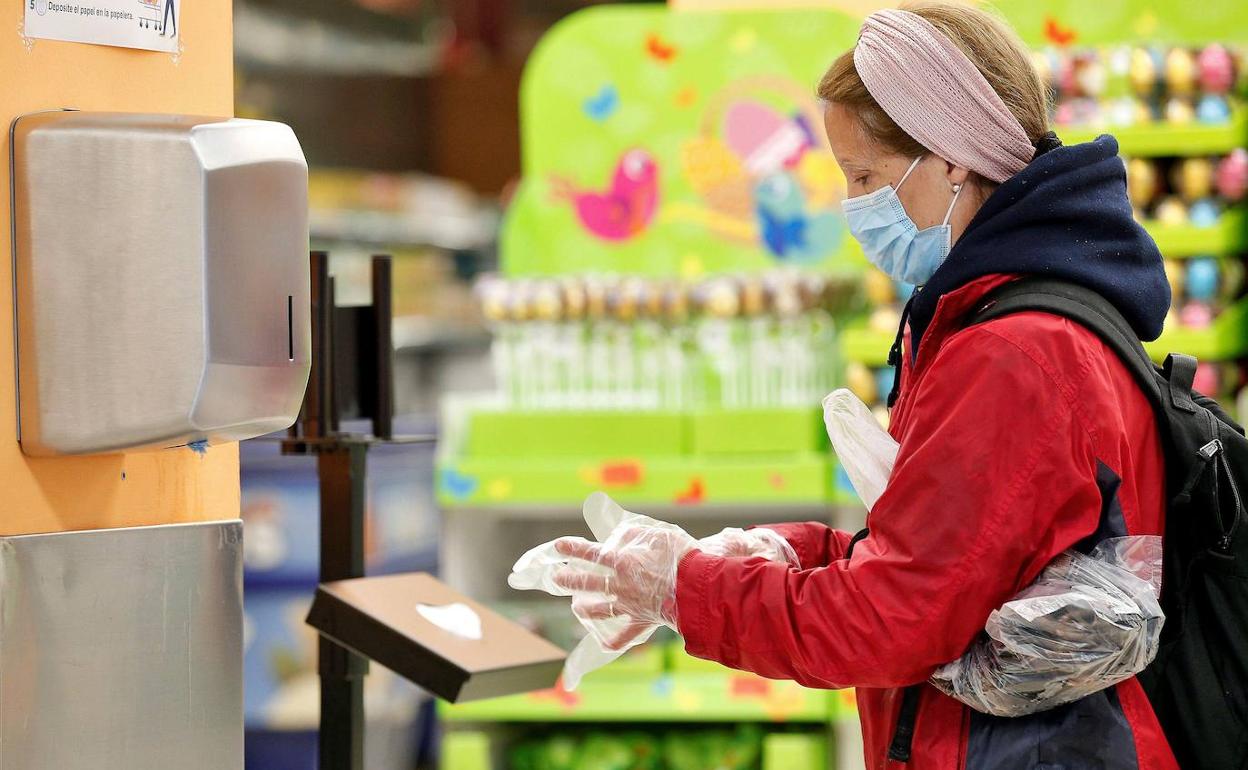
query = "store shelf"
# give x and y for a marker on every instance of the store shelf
(1227, 237)
(867, 346)
(1161, 139)
(801, 479)
(1224, 340)
(608, 696)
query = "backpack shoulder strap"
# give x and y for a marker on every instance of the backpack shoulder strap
(1097, 314)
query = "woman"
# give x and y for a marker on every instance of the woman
(1019, 437)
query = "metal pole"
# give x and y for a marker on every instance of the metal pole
(317, 402)
(383, 347)
(342, 470)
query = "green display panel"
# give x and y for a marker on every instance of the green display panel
(1160, 22)
(666, 143)
(662, 142)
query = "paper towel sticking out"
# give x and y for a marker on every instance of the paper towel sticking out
(457, 618)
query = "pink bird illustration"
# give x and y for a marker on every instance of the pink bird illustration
(625, 209)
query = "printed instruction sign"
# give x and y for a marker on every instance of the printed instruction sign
(153, 25)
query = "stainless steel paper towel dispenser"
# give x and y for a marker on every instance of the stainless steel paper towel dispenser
(161, 279)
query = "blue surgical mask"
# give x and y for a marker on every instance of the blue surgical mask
(891, 239)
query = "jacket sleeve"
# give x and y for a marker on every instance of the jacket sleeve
(995, 476)
(816, 545)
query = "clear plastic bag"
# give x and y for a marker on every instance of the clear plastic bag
(1087, 623)
(863, 448)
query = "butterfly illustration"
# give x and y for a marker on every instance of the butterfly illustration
(1057, 34)
(659, 49)
(602, 104)
(788, 230)
(456, 485)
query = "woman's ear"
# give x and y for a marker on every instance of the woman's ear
(956, 174)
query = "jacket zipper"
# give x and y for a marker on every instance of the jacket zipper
(1224, 544)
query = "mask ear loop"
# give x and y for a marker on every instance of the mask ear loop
(957, 190)
(906, 175)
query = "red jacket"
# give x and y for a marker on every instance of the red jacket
(1019, 438)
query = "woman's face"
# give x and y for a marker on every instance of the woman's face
(868, 166)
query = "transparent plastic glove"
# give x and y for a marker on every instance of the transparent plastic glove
(759, 543)
(863, 448)
(1087, 623)
(537, 570)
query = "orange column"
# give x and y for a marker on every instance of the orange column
(175, 485)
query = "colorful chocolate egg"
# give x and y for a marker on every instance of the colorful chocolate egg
(1213, 109)
(861, 382)
(1118, 72)
(1192, 178)
(884, 319)
(1142, 73)
(878, 287)
(1124, 111)
(1089, 75)
(1171, 211)
(1207, 379)
(1064, 76)
(1065, 114)
(1231, 176)
(1201, 278)
(1175, 273)
(1216, 69)
(1196, 315)
(1180, 72)
(1142, 182)
(1179, 110)
(1231, 278)
(1204, 213)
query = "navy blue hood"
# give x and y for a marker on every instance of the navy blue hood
(1066, 215)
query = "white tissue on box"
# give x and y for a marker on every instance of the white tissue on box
(457, 618)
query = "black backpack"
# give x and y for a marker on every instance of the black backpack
(1198, 684)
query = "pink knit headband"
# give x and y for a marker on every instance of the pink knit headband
(935, 94)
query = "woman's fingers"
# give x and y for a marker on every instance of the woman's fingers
(586, 608)
(574, 579)
(628, 635)
(580, 548)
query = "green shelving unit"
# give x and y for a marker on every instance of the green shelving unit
(867, 346)
(1160, 139)
(756, 456)
(1181, 241)
(1225, 339)
(802, 478)
(658, 684)
(609, 697)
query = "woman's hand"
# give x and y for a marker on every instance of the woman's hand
(632, 575)
(758, 543)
